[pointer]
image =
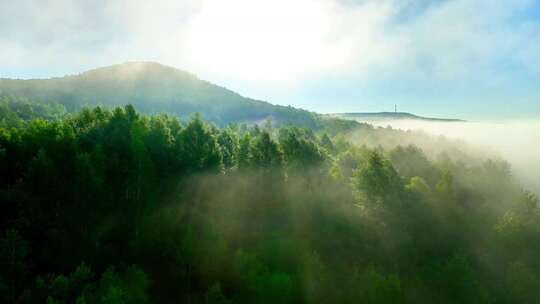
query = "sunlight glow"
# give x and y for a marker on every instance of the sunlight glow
(269, 40)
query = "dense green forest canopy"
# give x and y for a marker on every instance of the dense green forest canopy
(153, 88)
(113, 206)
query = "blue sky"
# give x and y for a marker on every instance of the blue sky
(449, 58)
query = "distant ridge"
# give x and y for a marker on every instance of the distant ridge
(382, 116)
(156, 88)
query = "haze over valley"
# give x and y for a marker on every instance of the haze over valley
(517, 141)
(230, 152)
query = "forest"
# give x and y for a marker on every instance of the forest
(109, 205)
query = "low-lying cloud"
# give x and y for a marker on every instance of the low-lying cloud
(517, 141)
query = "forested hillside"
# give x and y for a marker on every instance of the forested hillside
(114, 206)
(153, 88)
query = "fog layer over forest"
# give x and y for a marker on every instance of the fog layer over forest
(516, 141)
(114, 206)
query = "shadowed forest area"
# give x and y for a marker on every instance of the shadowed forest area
(113, 206)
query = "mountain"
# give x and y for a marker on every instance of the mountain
(388, 116)
(155, 88)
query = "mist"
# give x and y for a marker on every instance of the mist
(149, 208)
(211, 152)
(516, 141)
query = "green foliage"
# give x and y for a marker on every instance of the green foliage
(419, 185)
(214, 295)
(81, 286)
(261, 283)
(301, 153)
(373, 287)
(242, 154)
(264, 152)
(16, 111)
(172, 211)
(523, 283)
(228, 142)
(411, 161)
(327, 144)
(197, 147)
(13, 267)
(376, 182)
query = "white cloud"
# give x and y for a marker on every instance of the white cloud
(273, 42)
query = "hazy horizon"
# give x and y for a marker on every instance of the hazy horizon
(358, 110)
(515, 141)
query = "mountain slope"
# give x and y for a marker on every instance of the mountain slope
(154, 88)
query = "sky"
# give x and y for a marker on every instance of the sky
(474, 59)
